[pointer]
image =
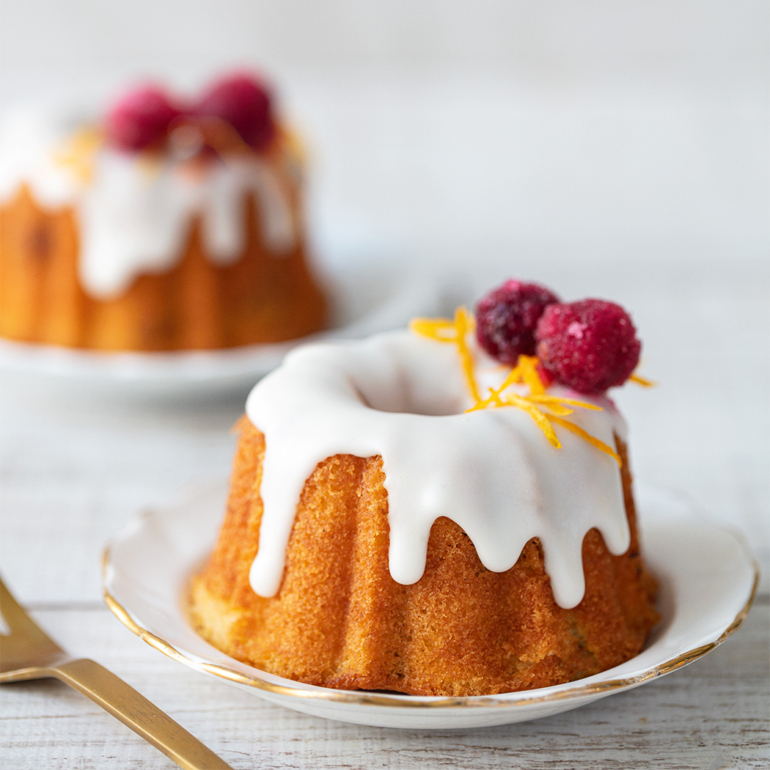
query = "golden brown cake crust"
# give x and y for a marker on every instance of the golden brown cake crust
(196, 305)
(340, 620)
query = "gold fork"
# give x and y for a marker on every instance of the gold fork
(27, 653)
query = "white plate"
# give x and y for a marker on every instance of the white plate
(363, 302)
(706, 574)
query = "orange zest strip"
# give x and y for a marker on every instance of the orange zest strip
(600, 445)
(528, 366)
(494, 396)
(540, 419)
(557, 409)
(570, 401)
(439, 329)
(643, 381)
(456, 331)
(464, 324)
(514, 376)
(493, 400)
(78, 152)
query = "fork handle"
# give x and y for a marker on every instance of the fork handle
(135, 711)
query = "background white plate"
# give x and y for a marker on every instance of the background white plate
(706, 574)
(364, 301)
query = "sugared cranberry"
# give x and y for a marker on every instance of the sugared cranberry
(506, 319)
(245, 103)
(140, 119)
(589, 345)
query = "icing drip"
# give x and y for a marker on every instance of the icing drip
(134, 216)
(29, 139)
(135, 220)
(491, 471)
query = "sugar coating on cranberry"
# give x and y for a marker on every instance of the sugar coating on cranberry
(140, 119)
(589, 345)
(506, 319)
(245, 103)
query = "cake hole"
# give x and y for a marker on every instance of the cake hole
(401, 401)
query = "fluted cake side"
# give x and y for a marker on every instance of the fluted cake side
(340, 619)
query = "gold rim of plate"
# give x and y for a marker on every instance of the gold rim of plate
(401, 700)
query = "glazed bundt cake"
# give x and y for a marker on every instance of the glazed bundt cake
(159, 226)
(405, 518)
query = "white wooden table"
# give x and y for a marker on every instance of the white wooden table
(73, 469)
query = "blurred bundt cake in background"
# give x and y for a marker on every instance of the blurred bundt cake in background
(162, 225)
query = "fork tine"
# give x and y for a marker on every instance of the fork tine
(17, 619)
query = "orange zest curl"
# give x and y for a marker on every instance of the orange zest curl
(550, 402)
(524, 373)
(78, 152)
(439, 329)
(643, 381)
(578, 431)
(540, 418)
(465, 323)
(456, 331)
(557, 407)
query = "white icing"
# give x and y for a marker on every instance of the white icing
(492, 471)
(29, 138)
(134, 217)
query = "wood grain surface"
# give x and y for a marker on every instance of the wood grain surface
(711, 715)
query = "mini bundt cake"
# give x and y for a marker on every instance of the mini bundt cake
(159, 226)
(390, 526)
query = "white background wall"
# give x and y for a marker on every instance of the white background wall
(598, 124)
(611, 148)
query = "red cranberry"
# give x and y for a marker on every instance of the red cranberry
(245, 103)
(140, 119)
(589, 345)
(506, 319)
